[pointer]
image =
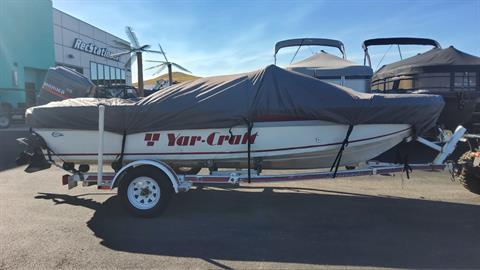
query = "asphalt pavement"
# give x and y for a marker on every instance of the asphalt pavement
(9, 147)
(427, 221)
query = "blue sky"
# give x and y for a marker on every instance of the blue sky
(223, 37)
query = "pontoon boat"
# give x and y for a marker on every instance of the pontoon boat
(448, 72)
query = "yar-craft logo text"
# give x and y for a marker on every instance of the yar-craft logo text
(213, 139)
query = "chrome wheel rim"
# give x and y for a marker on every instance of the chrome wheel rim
(143, 193)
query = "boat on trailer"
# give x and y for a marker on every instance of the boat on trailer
(267, 119)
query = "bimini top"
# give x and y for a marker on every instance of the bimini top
(325, 64)
(308, 42)
(434, 60)
(400, 41)
(268, 94)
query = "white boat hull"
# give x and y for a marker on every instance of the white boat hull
(274, 145)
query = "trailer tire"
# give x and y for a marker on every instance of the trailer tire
(145, 191)
(468, 174)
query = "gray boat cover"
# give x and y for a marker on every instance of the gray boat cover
(324, 64)
(63, 83)
(434, 60)
(268, 94)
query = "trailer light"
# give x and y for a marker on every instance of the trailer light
(65, 179)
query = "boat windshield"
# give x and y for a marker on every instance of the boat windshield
(117, 92)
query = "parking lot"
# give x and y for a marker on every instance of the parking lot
(427, 221)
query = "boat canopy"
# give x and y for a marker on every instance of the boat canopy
(432, 61)
(323, 64)
(395, 41)
(400, 41)
(268, 94)
(308, 42)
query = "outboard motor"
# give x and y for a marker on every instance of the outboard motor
(64, 83)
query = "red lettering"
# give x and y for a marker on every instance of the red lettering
(183, 140)
(235, 139)
(171, 139)
(211, 138)
(194, 139)
(222, 139)
(252, 138)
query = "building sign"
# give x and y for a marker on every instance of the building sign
(93, 49)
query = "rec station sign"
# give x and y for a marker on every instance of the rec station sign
(80, 45)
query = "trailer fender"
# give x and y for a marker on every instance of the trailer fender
(165, 168)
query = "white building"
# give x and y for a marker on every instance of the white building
(88, 50)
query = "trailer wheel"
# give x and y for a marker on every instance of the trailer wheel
(145, 191)
(468, 174)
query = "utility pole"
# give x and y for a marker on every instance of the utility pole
(140, 73)
(170, 75)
